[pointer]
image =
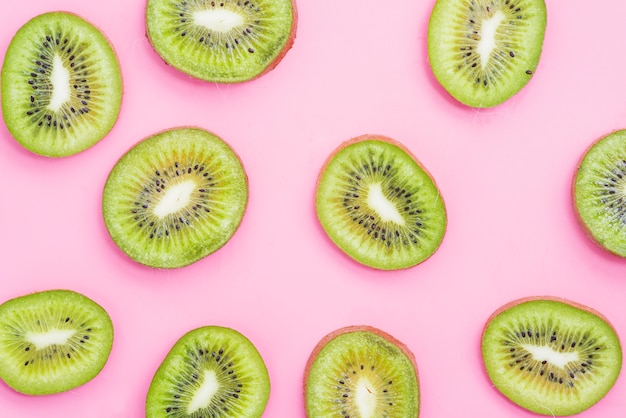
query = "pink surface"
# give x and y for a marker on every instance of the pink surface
(505, 174)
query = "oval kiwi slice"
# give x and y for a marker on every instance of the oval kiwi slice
(484, 51)
(379, 204)
(599, 192)
(361, 371)
(211, 371)
(61, 85)
(52, 341)
(224, 41)
(551, 356)
(175, 197)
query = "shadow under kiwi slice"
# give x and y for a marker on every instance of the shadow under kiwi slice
(175, 197)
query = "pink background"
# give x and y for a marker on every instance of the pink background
(356, 67)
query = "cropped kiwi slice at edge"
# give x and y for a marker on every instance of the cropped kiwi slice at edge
(210, 371)
(483, 51)
(61, 85)
(223, 41)
(361, 371)
(379, 204)
(550, 355)
(52, 341)
(175, 197)
(599, 192)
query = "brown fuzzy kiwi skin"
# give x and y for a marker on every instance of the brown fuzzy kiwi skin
(288, 45)
(579, 219)
(290, 41)
(383, 138)
(356, 328)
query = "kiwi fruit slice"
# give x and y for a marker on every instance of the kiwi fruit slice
(484, 51)
(599, 192)
(224, 41)
(175, 197)
(61, 85)
(210, 371)
(379, 205)
(361, 371)
(550, 355)
(52, 341)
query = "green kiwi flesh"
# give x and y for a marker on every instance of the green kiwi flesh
(224, 41)
(61, 85)
(211, 371)
(379, 205)
(599, 192)
(484, 51)
(551, 356)
(361, 371)
(175, 197)
(52, 341)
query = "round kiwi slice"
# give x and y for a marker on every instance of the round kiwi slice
(599, 192)
(361, 371)
(379, 205)
(61, 85)
(211, 371)
(551, 356)
(484, 51)
(224, 41)
(175, 197)
(52, 341)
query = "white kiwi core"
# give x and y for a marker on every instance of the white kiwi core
(176, 198)
(487, 42)
(60, 78)
(555, 358)
(41, 340)
(202, 396)
(218, 20)
(365, 399)
(377, 201)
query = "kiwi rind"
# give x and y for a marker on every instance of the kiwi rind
(142, 176)
(253, 50)
(456, 62)
(565, 392)
(417, 193)
(327, 376)
(95, 94)
(241, 376)
(599, 192)
(57, 367)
